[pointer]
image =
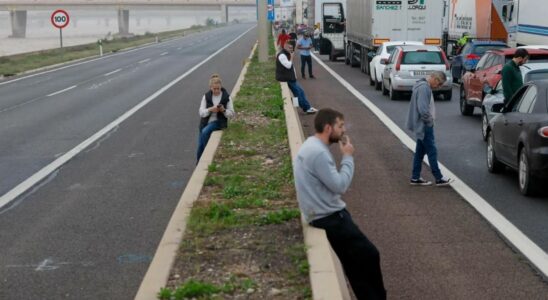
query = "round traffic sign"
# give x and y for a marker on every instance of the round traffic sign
(60, 18)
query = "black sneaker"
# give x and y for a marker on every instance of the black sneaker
(445, 181)
(420, 181)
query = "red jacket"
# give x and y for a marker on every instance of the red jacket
(282, 38)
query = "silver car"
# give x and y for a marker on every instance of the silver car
(407, 64)
(532, 71)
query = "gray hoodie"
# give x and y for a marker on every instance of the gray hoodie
(420, 109)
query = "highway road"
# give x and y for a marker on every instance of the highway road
(90, 228)
(462, 150)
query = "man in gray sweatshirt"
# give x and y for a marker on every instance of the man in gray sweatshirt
(319, 188)
(420, 120)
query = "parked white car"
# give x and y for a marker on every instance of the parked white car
(383, 52)
(407, 64)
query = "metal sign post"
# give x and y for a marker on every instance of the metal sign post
(60, 19)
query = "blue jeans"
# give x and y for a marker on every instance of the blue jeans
(426, 146)
(298, 92)
(205, 133)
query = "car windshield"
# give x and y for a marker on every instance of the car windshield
(422, 58)
(480, 50)
(536, 75)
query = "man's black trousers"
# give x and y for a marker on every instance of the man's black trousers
(359, 257)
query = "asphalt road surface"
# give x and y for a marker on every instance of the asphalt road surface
(90, 229)
(433, 244)
(462, 150)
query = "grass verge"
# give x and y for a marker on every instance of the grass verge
(244, 238)
(16, 64)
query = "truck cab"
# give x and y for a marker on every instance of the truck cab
(331, 16)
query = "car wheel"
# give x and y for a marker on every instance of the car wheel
(347, 57)
(392, 93)
(383, 88)
(453, 72)
(378, 84)
(371, 80)
(493, 164)
(332, 56)
(527, 184)
(448, 95)
(484, 125)
(465, 109)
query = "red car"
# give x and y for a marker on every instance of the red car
(488, 73)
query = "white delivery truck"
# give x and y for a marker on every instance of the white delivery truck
(533, 22)
(369, 23)
(330, 14)
(483, 19)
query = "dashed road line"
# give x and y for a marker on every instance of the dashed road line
(144, 61)
(115, 71)
(164, 53)
(61, 91)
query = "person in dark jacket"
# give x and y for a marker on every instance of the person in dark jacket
(215, 110)
(285, 72)
(420, 120)
(511, 74)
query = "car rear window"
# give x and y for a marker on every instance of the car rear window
(480, 50)
(532, 58)
(422, 58)
(536, 75)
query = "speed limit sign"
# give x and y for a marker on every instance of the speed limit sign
(60, 18)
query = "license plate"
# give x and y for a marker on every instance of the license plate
(422, 73)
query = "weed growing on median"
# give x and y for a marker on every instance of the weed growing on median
(244, 235)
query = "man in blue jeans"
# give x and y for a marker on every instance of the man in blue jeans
(420, 120)
(304, 45)
(285, 72)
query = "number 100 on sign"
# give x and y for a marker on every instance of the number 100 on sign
(60, 18)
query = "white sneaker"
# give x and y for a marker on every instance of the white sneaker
(445, 181)
(311, 110)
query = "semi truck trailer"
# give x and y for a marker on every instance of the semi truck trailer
(370, 23)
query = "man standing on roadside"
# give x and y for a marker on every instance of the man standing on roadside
(285, 72)
(305, 45)
(319, 188)
(512, 80)
(420, 120)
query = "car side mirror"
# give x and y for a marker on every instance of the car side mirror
(472, 70)
(498, 108)
(384, 61)
(499, 71)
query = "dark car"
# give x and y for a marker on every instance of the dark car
(470, 55)
(518, 136)
(487, 74)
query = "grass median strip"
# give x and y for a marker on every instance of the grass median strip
(244, 237)
(16, 64)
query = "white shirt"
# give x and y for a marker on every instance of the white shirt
(204, 112)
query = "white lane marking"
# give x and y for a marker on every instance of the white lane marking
(115, 71)
(61, 91)
(45, 171)
(519, 240)
(164, 53)
(144, 61)
(179, 48)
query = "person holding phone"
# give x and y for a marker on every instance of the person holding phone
(319, 188)
(215, 110)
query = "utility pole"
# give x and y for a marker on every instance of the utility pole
(263, 31)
